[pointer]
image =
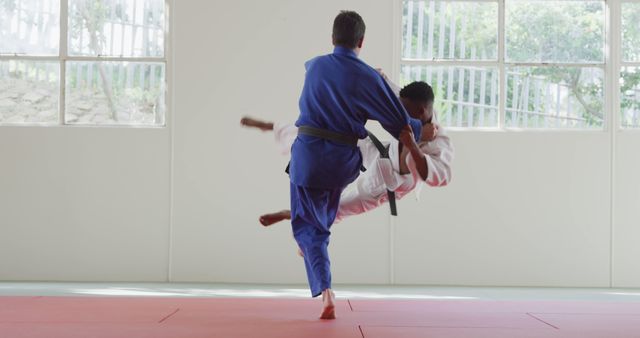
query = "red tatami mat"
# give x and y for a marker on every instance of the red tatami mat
(133, 317)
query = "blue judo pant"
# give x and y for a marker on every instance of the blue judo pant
(312, 214)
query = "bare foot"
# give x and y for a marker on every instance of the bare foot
(268, 219)
(329, 305)
(253, 123)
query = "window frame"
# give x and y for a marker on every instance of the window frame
(619, 64)
(611, 66)
(63, 57)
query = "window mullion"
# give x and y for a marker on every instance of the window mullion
(614, 63)
(557, 64)
(64, 22)
(502, 92)
(115, 58)
(445, 62)
(168, 80)
(29, 57)
(612, 69)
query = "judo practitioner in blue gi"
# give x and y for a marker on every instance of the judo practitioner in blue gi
(340, 94)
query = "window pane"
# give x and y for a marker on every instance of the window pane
(29, 27)
(555, 31)
(553, 97)
(464, 96)
(129, 28)
(630, 97)
(29, 91)
(450, 30)
(631, 31)
(131, 93)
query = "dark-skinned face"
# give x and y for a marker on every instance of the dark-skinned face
(417, 110)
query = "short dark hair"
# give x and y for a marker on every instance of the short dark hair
(418, 92)
(348, 29)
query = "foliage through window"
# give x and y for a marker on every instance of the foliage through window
(630, 66)
(93, 62)
(549, 72)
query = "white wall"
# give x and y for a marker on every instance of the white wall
(626, 230)
(84, 203)
(531, 208)
(524, 209)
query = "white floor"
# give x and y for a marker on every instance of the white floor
(300, 291)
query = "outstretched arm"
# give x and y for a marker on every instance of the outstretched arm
(284, 133)
(254, 123)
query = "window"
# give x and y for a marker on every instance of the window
(509, 63)
(630, 71)
(83, 62)
(454, 47)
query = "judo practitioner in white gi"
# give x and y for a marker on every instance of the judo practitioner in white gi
(399, 173)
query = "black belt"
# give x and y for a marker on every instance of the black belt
(384, 153)
(328, 135)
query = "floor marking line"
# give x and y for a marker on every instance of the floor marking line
(350, 306)
(169, 315)
(361, 333)
(588, 314)
(426, 326)
(540, 320)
